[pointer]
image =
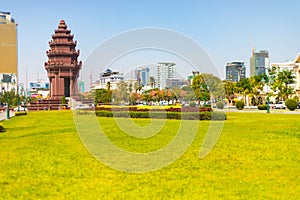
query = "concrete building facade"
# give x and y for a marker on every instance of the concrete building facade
(165, 72)
(8, 53)
(235, 71)
(259, 62)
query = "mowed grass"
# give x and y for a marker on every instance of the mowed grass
(256, 157)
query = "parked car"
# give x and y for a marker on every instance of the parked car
(280, 105)
(272, 105)
(82, 107)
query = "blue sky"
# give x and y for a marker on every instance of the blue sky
(227, 30)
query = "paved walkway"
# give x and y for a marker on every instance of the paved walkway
(3, 115)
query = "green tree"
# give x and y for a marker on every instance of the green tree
(152, 82)
(215, 86)
(244, 87)
(230, 88)
(103, 96)
(200, 88)
(282, 83)
(121, 94)
(108, 85)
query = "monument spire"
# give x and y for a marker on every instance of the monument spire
(62, 65)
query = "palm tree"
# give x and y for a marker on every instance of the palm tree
(108, 85)
(152, 81)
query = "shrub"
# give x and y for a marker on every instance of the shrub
(262, 107)
(63, 100)
(2, 128)
(206, 115)
(220, 105)
(218, 115)
(20, 113)
(291, 104)
(240, 105)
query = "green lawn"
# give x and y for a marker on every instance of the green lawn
(256, 157)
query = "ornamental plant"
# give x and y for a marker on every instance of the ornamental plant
(291, 104)
(239, 105)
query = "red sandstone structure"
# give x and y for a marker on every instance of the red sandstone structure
(62, 66)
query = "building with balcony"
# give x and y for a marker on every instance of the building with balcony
(165, 73)
(235, 71)
(8, 53)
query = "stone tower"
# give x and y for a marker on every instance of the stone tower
(62, 66)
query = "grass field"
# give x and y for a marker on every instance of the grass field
(256, 157)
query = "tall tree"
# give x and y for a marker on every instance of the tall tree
(280, 80)
(152, 81)
(244, 87)
(200, 88)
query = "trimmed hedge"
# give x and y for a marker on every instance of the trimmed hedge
(220, 105)
(291, 104)
(20, 113)
(239, 105)
(164, 115)
(262, 107)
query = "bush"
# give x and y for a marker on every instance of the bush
(240, 105)
(262, 107)
(218, 115)
(2, 128)
(220, 105)
(20, 113)
(291, 104)
(206, 115)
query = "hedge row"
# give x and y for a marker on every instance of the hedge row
(262, 107)
(158, 109)
(162, 115)
(20, 113)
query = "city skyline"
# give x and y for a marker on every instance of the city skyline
(227, 30)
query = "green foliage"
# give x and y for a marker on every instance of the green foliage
(240, 105)
(102, 96)
(206, 115)
(262, 107)
(296, 98)
(20, 113)
(63, 100)
(220, 105)
(291, 104)
(2, 129)
(200, 87)
(230, 88)
(281, 82)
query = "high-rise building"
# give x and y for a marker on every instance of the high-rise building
(259, 62)
(8, 53)
(142, 75)
(235, 71)
(165, 73)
